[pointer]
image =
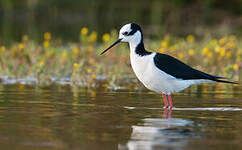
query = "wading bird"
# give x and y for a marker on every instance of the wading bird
(158, 72)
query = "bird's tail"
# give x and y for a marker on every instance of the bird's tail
(224, 81)
(218, 79)
(221, 77)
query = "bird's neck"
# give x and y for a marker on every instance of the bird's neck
(137, 47)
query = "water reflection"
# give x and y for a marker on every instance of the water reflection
(66, 117)
(156, 133)
(167, 113)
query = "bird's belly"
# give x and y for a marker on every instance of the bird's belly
(155, 79)
(152, 80)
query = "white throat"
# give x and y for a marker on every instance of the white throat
(135, 41)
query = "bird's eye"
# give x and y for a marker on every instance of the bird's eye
(125, 33)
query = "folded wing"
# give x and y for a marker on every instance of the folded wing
(178, 69)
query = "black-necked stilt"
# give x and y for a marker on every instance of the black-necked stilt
(158, 72)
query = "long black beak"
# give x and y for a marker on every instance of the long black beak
(119, 40)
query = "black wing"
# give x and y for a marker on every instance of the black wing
(178, 69)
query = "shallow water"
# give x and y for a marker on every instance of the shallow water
(64, 117)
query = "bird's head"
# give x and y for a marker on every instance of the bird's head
(128, 33)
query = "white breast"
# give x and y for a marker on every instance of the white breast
(155, 79)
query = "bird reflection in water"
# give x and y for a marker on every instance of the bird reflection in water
(159, 133)
(167, 113)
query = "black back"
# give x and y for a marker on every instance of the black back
(178, 69)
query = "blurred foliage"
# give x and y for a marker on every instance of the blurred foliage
(82, 62)
(45, 39)
(64, 18)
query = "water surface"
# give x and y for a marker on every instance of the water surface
(65, 117)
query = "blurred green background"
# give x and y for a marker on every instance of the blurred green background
(65, 18)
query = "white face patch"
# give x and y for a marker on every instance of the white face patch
(125, 28)
(133, 38)
(127, 34)
(122, 33)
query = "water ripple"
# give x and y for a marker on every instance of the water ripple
(193, 109)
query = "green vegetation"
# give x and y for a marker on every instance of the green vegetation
(82, 62)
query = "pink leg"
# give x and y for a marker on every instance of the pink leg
(170, 100)
(170, 112)
(165, 114)
(165, 100)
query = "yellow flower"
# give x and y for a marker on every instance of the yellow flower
(75, 51)
(230, 45)
(205, 51)
(47, 36)
(210, 54)
(228, 54)
(236, 67)
(217, 49)
(162, 50)
(180, 55)
(164, 44)
(41, 63)
(75, 65)
(93, 76)
(84, 31)
(3, 49)
(89, 70)
(46, 44)
(191, 52)
(106, 37)
(93, 94)
(92, 37)
(222, 41)
(190, 38)
(21, 46)
(222, 52)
